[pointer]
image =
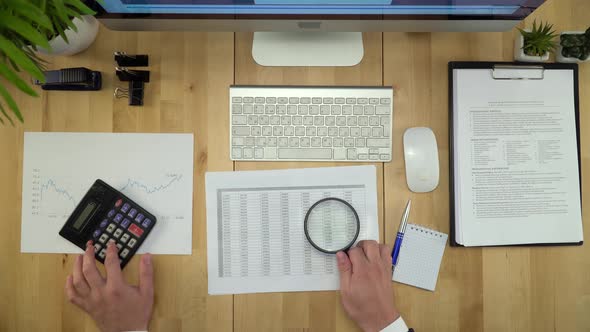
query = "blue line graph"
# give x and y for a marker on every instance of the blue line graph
(51, 185)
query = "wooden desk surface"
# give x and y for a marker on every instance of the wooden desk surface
(492, 289)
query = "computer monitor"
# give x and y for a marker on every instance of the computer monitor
(313, 32)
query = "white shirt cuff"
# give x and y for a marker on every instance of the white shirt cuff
(397, 326)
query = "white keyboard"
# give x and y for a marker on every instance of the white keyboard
(282, 123)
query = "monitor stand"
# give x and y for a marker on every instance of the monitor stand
(324, 49)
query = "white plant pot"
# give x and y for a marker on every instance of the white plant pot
(77, 41)
(519, 54)
(560, 58)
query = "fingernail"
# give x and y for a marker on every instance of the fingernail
(340, 255)
(89, 243)
(147, 259)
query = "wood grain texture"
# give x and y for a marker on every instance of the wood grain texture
(491, 289)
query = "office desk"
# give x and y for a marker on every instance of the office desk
(491, 289)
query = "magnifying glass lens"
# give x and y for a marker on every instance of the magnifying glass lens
(332, 225)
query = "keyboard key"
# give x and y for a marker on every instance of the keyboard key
(327, 141)
(119, 246)
(270, 109)
(302, 153)
(378, 142)
(308, 120)
(124, 238)
(103, 238)
(352, 121)
(124, 253)
(281, 109)
(346, 110)
(305, 100)
(339, 100)
(263, 119)
(297, 120)
(293, 100)
(271, 141)
(325, 110)
(258, 153)
(118, 203)
(125, 223)
(363, 120)
(336, 109)
(259, 100)
(131, 243)
(374, 121)
(363, 156)
(259, 109)
(369, 110)
(236, 153)
(351, 154)
(104, 223)
(316, 142)
(285, 120)
(111, 213)
(283, 142)
(252, 119)
(330, 120)
(362, 101)
(102, 254)
(139, 218)
(282, 100)
(357, 110)
(238, 131)
(303, 109)
(338, 141)
(328, 100)
(382, 110)
(365, 132)
(341, 121)
(275, 120)
(344, 131)
(360, 143)
(270, 153)
(132, 213)
(260, 141)
(118, 218)
(377, 132)
(318, 120)
(97, 247)
(316, 100)
(96, 233)
(255, 130)
(349, 142)
(111, 228)
(239, 119)
(117, 233)
(322, 131)
(314, 110)
(311, 131)
(289, 130)
(271, 100)
(248, 109)
(351, 100)
(294, 142)
(248, 153)
(355, 131)
(384, 157)
(236, 109)
(248, 100)
(305, 141)
(333, 131)
(373, 101)
(299, 131)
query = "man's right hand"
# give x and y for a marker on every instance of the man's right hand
(366, 287)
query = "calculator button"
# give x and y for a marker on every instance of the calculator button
(111, 213)
(139, 218)
(132, 213)
(132, 243)
(118, 203)
(119, 246)
(146, 223)
(103, 239)
(118, 233)
(102, 253)
(104, 223)
(125, 223)
(135, 230)
(125, 208)
(124, 238)
(111, 228)
(97, 247)
(118, 218)
(124, 253)
(96, 233)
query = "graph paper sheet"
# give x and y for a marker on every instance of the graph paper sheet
(420, 257)
(255, 236)
(154, 170)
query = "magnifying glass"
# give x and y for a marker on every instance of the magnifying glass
(331, 225)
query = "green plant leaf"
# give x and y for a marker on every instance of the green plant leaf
(80, 6)
(5, 115)
(24, 29)
(20, 58)
(11, 103)
(31, 12)
(16, 80)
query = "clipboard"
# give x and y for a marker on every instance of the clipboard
(508, 71)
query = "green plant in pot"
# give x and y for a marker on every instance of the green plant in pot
(534, 45)
(574, 46)
(26, 25)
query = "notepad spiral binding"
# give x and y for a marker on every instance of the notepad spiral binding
(427, 231)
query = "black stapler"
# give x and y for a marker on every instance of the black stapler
(74, 79)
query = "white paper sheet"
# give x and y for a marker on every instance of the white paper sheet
(255, 237)
(516, 172)
(154, 170)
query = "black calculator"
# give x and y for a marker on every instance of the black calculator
(104, 215)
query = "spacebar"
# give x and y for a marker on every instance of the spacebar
(305, 153)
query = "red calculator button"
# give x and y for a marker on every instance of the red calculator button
(135, 230)
(118, 203)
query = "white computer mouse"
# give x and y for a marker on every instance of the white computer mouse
(421, 157)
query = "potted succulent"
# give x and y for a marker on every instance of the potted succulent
(534, 45)
(25, 26)
(574, 47)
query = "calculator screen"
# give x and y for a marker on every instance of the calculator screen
(83, 216)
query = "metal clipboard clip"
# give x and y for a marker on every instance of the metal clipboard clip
(507, 72)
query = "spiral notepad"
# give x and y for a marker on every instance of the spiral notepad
(420, 257)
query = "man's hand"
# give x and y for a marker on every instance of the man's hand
(365, 285)
(112, 303)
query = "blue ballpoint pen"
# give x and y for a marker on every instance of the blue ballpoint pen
(400, 234)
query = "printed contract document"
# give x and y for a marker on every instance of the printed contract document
(255, 236)
(516, 174)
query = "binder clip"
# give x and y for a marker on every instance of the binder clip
(131, 60)
(134, 93)
(126, 75)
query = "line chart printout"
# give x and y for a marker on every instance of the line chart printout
(154, 170)
(255, 237)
